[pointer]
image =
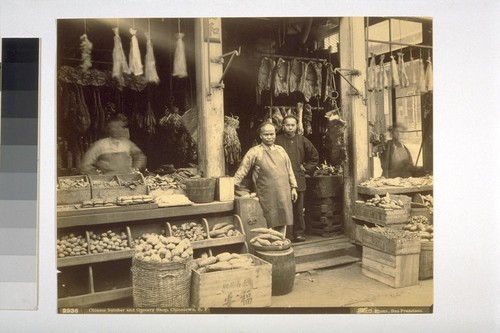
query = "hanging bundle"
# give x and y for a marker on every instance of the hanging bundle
(300, 113)
(86, 48)
(413, 71)
(372, 74)
(394, 72)
(81, 117)
(180, 65)
(171, 119)
(307, 119)
(120, 65)
(282, 71)
(405, 81)
(428, 75)
(232, 146)
(149, 120)
(151, 74)
(312, 82)
(134, 58)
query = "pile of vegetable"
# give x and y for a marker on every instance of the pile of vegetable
(325, 169)
(399, 182)
(428, 201)
(71, 245)
(224, 229)
(105, 183)
(72, 184)
(189, 230)
(108, 241)
(161, 249)
(222, 262)
(392, 233)
(174, 180)
(385, 202)
(421, 225)
(268, 237)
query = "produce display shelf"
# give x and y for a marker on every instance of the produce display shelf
(94, 258)
(392, 189)
(134, 215)
(95, 298)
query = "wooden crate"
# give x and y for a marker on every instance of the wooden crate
(73, 196)
(244, 287)
(390, 246)
(111, 193)
(381, 216)
(426, 263)
(396, 271)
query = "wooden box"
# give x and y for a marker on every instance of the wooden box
(382, 216)
(426, 265)
(396, 271)
(244, 287)
(74, 195)
(224, 190)
(126, 185)
(390, 246)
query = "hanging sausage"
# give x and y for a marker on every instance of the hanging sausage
(405, 82)
(428, 75)
(372, 74)
(180, 65)
(394, 73)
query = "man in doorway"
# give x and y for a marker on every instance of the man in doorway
(304, 158)
(272, 176)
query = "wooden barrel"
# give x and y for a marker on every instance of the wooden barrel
(200, 190)
(283, 269)
(426, 263)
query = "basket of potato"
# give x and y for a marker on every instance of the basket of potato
(161, 271)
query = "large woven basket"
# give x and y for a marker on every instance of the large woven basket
(161, 284)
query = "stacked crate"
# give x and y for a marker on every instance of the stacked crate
(323, 205)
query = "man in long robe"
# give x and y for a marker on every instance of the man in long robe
(273, 177)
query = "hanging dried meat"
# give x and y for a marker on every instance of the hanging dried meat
(307, 119)
(282, 72)
(372, 74)
(312, 83)
(413, 71)
(297, 75)
(79, 115)
(264, 76)
(300, 112)
(86, 48)
(232, 146)
(120, 65)
(428, 76)
(328, 82)
(180, 66)
(383, 79)
(404, 80)
(150, 71)
(134, 58)
(394, 73)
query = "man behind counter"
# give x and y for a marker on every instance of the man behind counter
(115, 154)
(304, 158)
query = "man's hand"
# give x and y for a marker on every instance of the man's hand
(294, 194)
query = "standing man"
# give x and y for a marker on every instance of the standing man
(304, 158)
(272, 176)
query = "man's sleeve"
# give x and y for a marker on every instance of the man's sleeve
(138, 157)
(88, 162)
(245, 166)
(311, 157)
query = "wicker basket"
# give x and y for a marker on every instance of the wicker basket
(161, 284)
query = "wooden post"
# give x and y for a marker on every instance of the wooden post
(352, 56)
(210, 98)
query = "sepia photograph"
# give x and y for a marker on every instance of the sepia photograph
(245, 165)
